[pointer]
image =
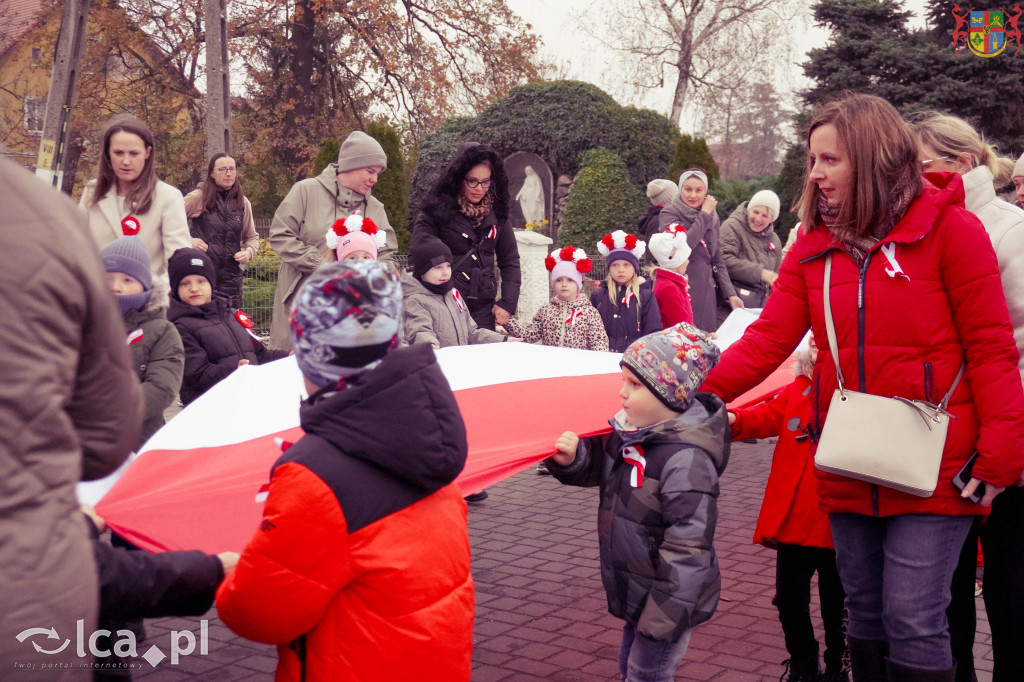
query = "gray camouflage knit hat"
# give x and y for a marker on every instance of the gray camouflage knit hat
(672, 363)
(345, 320)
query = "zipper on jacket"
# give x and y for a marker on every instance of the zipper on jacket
(928, 383)
(861, 372)
(299, 647)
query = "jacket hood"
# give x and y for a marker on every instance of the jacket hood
(148, 312)
(704, 424)
(217, 307)
(411, 286)
(328, 178)
(428, 450)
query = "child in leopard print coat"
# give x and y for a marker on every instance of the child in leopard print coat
(569, 320)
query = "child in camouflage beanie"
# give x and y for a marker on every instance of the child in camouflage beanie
(658, 472)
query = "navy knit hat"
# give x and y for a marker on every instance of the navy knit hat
(672, 363)
(346, 318)
(426, 252)
(128, 255)
(188, 261)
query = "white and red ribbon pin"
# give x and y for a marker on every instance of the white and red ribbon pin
(246, 322)
(634, 454)
(458, 299)
(130, 225)
(628, 296)
(573, 316)
(493, 232)
(134, 337)
(895, 270)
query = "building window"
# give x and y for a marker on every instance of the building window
(37, 54)
(35, 110)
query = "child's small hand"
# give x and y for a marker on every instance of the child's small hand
(514, 338)
(199, 244)
(228, 559)
(243, 362)
(732, 418)
(97, 520)
(566, 446)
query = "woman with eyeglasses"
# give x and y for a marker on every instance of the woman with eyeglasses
(126, 198)
(221, 224)
(947, 144)
(468, 211)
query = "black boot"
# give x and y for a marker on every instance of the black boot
(901, 673)
(867, 659)
(803, 669)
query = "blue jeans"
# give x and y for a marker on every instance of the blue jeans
(896, 571)
(642, 659)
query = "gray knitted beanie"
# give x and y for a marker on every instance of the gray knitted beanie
(359, 150)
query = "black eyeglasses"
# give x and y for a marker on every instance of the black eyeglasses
(473, 183)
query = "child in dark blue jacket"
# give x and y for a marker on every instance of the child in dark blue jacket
(217, 339)
(627, 304)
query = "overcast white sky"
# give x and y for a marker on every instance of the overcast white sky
(580, 58)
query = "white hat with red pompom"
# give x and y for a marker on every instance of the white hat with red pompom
(669, 248)
(621, 245)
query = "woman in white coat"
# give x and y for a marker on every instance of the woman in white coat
(126, 198)
(950, 144)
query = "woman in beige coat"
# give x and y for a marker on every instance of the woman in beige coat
(300, 223)
(126, 198)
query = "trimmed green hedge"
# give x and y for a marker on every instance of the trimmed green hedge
(555, 120)
(602, 200)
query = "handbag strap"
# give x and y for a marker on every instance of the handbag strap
(830, 329)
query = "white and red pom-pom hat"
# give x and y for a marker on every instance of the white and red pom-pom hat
(355, 233)
(568, 262)
(621, 245)
(669, 248)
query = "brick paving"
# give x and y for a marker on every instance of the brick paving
(540, 607)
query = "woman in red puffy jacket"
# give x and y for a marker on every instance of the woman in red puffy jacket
(915, 292)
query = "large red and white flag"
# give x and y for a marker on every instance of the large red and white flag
(201, 481)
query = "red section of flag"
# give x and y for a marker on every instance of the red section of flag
(205, 498)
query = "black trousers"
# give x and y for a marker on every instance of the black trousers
(795, 566)
(1002, 543)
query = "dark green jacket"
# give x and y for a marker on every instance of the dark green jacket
(159, 360)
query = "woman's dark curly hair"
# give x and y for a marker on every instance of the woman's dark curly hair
(470, 154)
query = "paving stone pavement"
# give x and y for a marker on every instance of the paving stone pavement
(540, 608)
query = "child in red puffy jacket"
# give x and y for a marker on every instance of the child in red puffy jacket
(792, 523)
(359, 569)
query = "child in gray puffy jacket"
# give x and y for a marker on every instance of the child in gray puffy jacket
(658, 472)
(433, 311)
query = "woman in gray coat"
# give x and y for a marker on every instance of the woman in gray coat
(694, 209)
(751, 250)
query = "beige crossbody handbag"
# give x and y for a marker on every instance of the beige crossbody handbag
(893, 442)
